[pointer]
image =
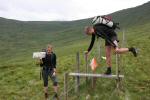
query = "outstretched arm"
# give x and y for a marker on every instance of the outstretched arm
(92, 43)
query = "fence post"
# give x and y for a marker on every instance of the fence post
(86, 67)
(77, 70)
(66, 86)
(117, 69)
(99, 60)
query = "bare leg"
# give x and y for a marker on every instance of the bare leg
(55, 89)
(121, 50)
(108, 60)
(117, 50)
(108, 56)
(124, 50)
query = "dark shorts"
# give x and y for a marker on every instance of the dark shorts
(48, 72)
(112, 41)
(108, 34)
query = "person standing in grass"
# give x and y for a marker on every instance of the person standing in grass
(111, 41)
(49, 69)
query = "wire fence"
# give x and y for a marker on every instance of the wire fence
(71, 91)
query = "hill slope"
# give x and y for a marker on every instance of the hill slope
(20, 34)
(19, 77)
(133, 16)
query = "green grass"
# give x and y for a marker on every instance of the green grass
(136, 70)
(19, 76)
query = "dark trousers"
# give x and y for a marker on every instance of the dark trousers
(48, 72)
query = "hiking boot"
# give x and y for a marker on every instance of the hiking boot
(134, 51)
(108, 71)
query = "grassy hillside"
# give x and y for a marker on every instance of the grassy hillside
(19, 76)
(133, 16)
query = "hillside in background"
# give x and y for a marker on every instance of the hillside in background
(19, 76)
(133, 16)
(23, 34)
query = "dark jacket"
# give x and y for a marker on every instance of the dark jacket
(49, 61)
(104, 32)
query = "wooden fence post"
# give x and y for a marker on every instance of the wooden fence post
(66, 86)
(118, 70)
(86, 67)
(77, 70)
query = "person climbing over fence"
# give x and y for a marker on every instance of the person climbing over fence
(49, 69)
(104, 27)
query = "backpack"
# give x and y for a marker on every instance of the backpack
(105, 20)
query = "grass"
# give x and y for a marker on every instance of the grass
(19, 76)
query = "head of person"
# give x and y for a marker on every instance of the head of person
(49, 49)
(89, 30)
